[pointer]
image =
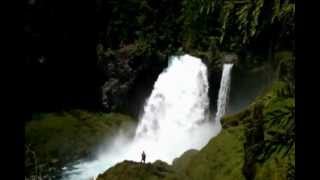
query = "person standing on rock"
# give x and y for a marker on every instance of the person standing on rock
(143, 157)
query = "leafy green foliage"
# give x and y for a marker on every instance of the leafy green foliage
(239, 21)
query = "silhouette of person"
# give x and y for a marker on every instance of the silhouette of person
(143, 157)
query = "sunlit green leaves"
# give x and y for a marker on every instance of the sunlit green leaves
(242, 18)
(282, 11)
(276, 10)
(207, 6)
(255, 13)
(225, 13)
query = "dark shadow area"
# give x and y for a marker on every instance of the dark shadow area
(61, 56)
(214, 85)
(246, 86)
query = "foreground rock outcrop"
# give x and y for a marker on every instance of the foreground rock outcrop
(138, 171)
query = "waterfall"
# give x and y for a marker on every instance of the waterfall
(175, 119)
(223, 93)
(176, 113)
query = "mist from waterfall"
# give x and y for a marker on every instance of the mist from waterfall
(175, 119)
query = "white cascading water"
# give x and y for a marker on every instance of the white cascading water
(223, 93)
(175, 116)
(175, 119)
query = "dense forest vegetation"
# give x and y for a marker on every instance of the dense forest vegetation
(70, 44)
(104, 56)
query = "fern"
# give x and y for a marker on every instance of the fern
(276, 10)
(239, 20)
(287, 10)
(242, 19)
(255, 15)
(227, 8)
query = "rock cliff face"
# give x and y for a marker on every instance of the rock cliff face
(125, 71)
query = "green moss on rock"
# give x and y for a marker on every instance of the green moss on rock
(53, 139)
(221, 158)
(183, 161)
